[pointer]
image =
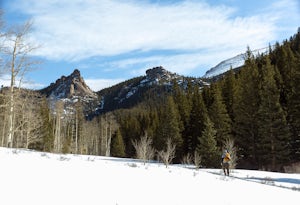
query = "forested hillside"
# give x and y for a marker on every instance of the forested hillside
(254, 110)
(257, 107)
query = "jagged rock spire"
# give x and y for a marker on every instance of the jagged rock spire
(69, 86)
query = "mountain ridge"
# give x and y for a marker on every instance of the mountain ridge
(157, 81)
(128, 93)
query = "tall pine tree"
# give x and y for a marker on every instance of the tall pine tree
(294, 112)
(170, 127)
(117, 145)
(219, 116)
(207, 145)
(246, 102)
(196, 122)
(272, 126)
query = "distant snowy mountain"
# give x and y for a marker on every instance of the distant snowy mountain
(34, 178)
(232, 63)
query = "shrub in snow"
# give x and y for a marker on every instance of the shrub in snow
(168, 154)
(143, 148)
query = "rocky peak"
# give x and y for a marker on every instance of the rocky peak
(159, 74)
(69, 87)
(76, 75)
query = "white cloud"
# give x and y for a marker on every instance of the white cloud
(202, 34)
(25, 83)
(99, 84)
(80, 29)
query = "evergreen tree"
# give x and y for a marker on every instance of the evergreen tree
(286, 64)
(219, 116)
(274, 134)
(117, 146)
(130, 129)
(229, 91)
(47, 126)
(169, 127)
(287, 58)
(184, 108)
(294, 113)
(207, 146)
(246, 102)
(196, 122)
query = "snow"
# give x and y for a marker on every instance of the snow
(234, 62)
(225, 66)
(30, 177)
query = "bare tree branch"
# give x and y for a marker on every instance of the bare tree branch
(143, 148)
(169, 154)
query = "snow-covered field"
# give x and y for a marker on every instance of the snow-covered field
(29, 177)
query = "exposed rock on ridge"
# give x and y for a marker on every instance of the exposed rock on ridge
(69, 87)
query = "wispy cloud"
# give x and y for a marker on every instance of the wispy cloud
(79, 29)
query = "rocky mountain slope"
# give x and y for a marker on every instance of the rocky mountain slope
(72, 86)
(71, 89)
(157, 81)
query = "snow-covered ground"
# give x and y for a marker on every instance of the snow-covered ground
(29, 177)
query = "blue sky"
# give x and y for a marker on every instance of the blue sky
(110, 41)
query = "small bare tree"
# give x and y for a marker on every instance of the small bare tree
(143, 148)
(168, 154)
(59, 109)
(197, 159)
(187, 159)
(230, 146)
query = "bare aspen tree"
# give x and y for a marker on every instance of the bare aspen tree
(33, 121)
(90, 137)
(58, 127)
(3, 117)
(75, 120)
(103, 134)
(27, 118)
(168, 154)
(3, 101)
(17, 63)
(113, 126)
(95, 137)
(108, 126)
(229, 144)
(143, 148)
